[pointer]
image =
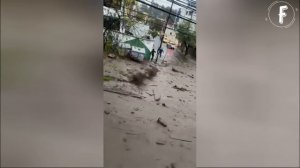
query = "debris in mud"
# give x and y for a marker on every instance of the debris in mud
(181, 100)
(161, 122)
(151, 71)
(108, 78)
(179, 139)
(191, 76)
(124, 140)
(106, 112)
(169, 96)
(124, 93)
(164, 64)
(122, 80)
(175, 70)
(130, 133)
(160, 142)
(171, 166)
(111, 55)
(156, 99)
(163, 104)
(132, 112)
(139, 77)
(180, 88)
(149, 94)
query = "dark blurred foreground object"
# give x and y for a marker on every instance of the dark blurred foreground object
(51, 101)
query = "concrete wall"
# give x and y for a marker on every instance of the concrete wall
(247, 86)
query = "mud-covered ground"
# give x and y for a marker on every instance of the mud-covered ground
(134, 138)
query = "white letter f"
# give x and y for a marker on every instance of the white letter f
(282, 14)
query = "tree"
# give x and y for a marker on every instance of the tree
(112, 24)
(140, 17)
(185, 36)
(116, 4)
(155, 26)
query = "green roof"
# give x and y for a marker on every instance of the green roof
(138, 43)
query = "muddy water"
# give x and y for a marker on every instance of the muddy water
(133, 138)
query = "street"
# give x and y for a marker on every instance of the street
(156, 129)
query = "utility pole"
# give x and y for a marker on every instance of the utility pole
(164, 31)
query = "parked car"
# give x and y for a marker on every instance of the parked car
(137, 53)
(170, 46)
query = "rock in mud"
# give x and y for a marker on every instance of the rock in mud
(161, 122)
(160, 142)
(191, 76)
(157, 99)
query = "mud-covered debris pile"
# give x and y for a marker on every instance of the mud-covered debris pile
(140, 76)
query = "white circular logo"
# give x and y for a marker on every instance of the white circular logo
(281, 14)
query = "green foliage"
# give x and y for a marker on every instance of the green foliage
(108, 78)
(113, 24)
(155, 26)
(185, 36)
(157, 14)
(153, 33)
(128, 5)
(112, 3)
(140, 17)
(110, 44)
